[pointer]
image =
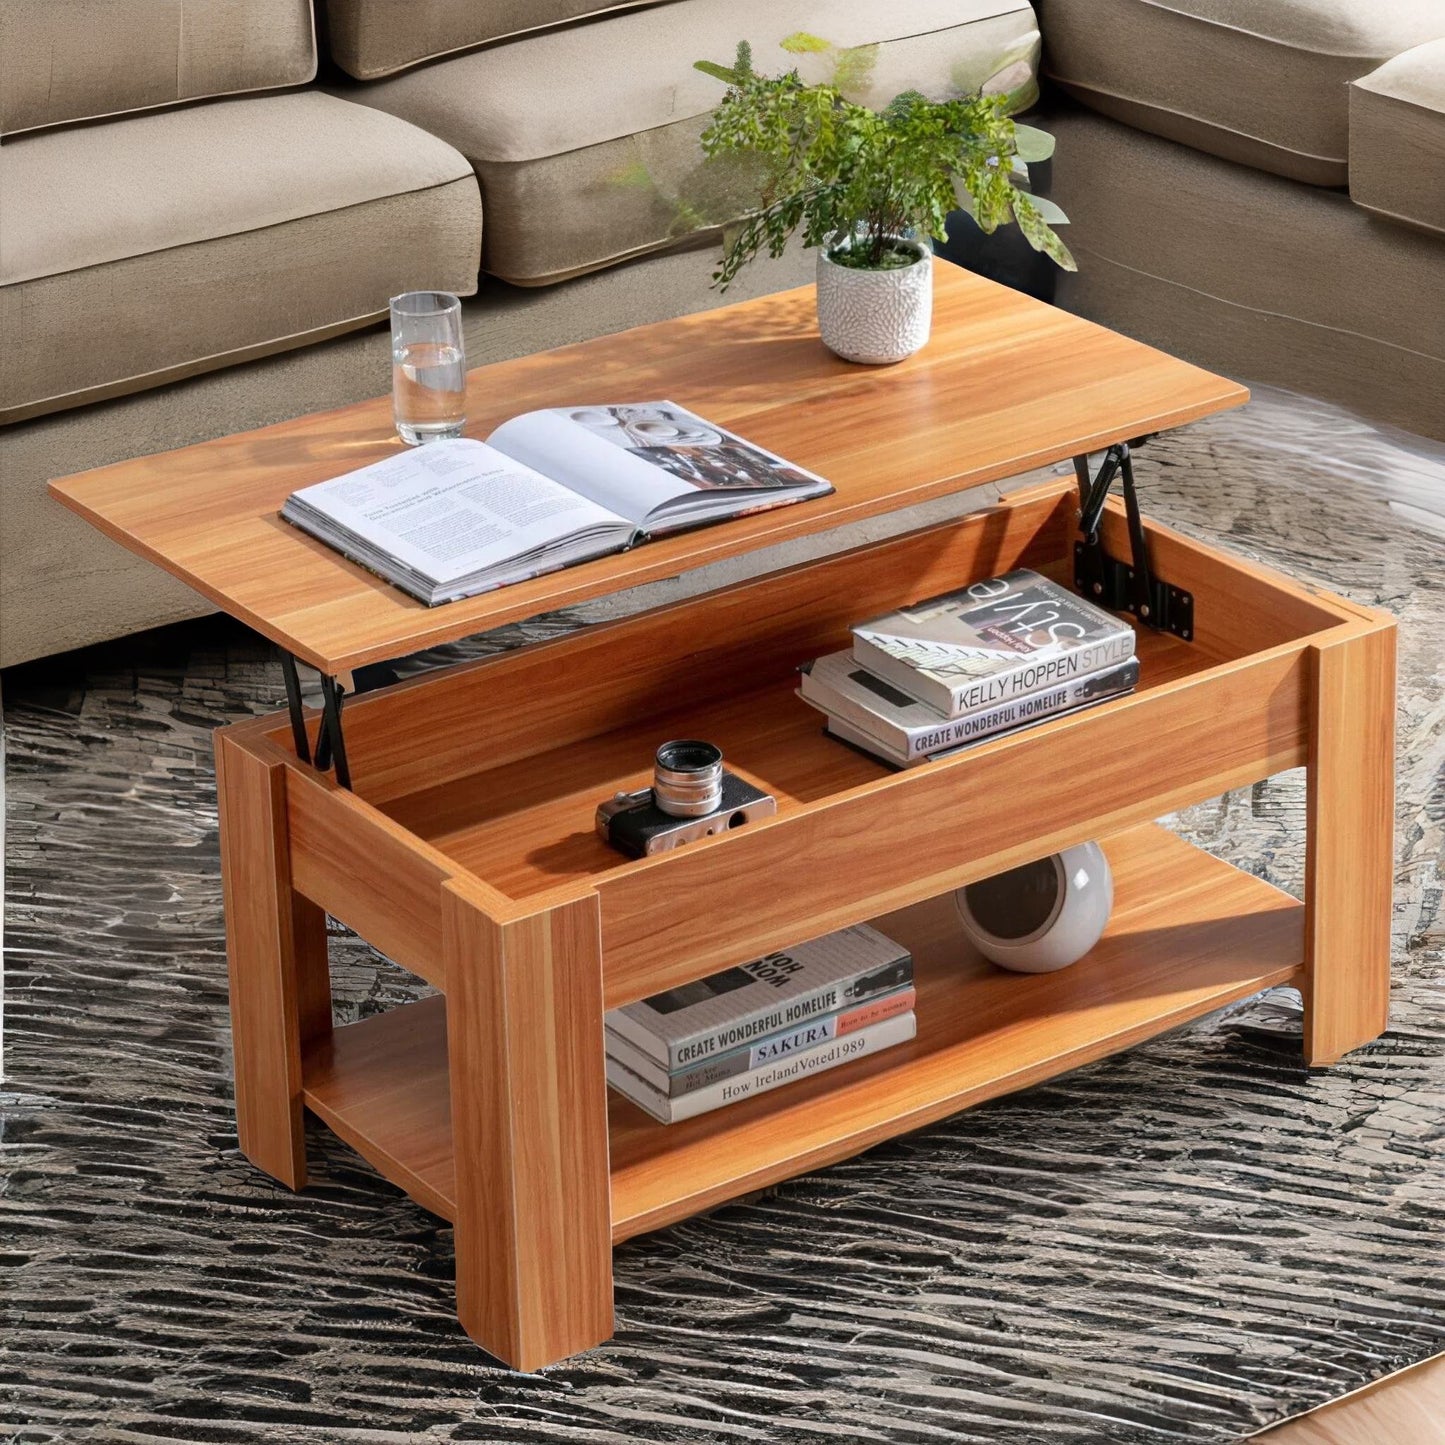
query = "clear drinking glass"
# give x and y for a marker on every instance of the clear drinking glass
(428, 366)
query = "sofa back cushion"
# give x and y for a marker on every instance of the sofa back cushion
(1397, 138)
(1261, 82)
(585, 138)
(150, 248)
(69, 60)
(371, 38)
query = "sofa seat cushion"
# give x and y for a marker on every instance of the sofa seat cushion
(1397, 138)
(585, 139)
(67, 60)
(153, 247)
(372, 38)
(1262, 82)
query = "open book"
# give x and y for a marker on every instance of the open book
(545, 490)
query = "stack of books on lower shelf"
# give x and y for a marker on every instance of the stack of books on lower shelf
(767, 1023)
(988, 659)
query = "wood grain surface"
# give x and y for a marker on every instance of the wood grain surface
(529, 1126)
(1005, 384)
(1188, 935)
(1349, 861)
(1407, 1408)
(280, 987)
(1180, 1243)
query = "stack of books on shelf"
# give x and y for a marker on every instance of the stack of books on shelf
(988, 659)
(768, 1023)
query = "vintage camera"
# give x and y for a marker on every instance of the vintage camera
(692, 796)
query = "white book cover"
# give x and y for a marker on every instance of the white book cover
(991, 642)
(837, 1051)
(865, 741)
(766, 1051)
(737, 1006)
(861, 738)
(912, 731)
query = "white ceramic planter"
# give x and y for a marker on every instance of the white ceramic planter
(875, 317)
(1043, 916)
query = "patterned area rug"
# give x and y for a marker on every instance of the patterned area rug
(1181, 1243)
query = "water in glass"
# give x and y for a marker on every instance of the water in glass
(429, 389)
(428, 366)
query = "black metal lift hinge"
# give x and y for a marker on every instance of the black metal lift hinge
(1124, 586)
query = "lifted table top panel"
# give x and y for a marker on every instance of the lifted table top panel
(1006, 384)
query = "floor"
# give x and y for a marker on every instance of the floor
(1406, 1409)
(1185, 1243)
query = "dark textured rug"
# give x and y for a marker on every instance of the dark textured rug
(1178, 1244)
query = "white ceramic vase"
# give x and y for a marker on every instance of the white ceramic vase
(875, 317)
(1042, 916)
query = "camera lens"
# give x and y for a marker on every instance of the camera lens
(687, 778)
(687, 755)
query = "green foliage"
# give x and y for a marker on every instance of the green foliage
(819, 162)
(853, 70)
(1018, 60)
(895, 257)
(1032, 144)
(801, 43)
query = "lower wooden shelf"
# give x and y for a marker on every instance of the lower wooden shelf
(1188, 935)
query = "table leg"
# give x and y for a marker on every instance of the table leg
(529, 1125)
(1349, 867)
(276, 948)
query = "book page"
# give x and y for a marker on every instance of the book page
(586, 462)
(454, 507)
(653, 462)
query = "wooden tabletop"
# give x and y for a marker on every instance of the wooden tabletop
(1006, 384)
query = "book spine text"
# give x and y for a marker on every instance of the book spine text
(1095, 686)
(767, 1051)
(849, 1047)
(826, 999)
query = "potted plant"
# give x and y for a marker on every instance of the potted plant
(868, 187)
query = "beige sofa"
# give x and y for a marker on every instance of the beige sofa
(1259, 185)
(196, 237)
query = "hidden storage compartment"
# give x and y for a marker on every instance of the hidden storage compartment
(497, 767)
(494, 769)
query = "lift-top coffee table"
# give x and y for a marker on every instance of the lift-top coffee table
(449, 819)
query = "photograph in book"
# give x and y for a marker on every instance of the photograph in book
(546, 490)
(704, 455)
(994, 640)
